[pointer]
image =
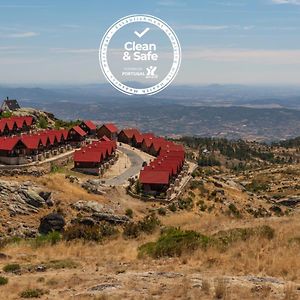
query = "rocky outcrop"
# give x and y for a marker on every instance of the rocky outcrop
(23, 198)
(52, 222)
(97, 212)
(111, 218)
(88, 206)
(94, 186)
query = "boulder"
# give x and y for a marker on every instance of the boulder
(52, 222)
(32, 198)
(88, 206)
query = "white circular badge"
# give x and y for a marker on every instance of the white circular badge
(140, 55)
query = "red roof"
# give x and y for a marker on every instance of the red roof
(154, 177)
(88, 156)
(111, 127)
(105, 138)
(8, 143)
(138, 137)
(148, 135)
(10, 124)
(90, 124)
(130, 132)
(95, 152)
(79, 130)
(31, 142)
(148, 142)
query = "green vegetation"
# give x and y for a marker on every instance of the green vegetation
(32, 293)
(51, 238)
(185, 203)
(172, 207)
(66, 124)
(80, 231)
(162, 211)
(6, 114)
(148, 225)
(257, 186)
(175, 242)
(129, 212)
(94, 233)
(12, 268)
(61, 264)
(208, 161)
(3, 280)
(231, 149)
(232, 210)
(42, 122)
(138, 187)
(57, 169)
(227, 237)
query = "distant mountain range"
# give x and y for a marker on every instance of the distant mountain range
(232, 111)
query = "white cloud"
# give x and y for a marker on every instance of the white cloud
(27, 34)
(294, 2)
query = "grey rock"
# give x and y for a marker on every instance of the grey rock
(33, 198)
(111, 218)
(88, 206)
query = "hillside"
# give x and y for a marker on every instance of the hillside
(233, 234)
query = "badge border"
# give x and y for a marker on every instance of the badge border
(103, 48)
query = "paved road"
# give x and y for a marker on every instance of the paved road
(136, 165)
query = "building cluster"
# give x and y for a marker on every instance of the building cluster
(15, 125)
(22, 143)
(96, 157)
(164, 173)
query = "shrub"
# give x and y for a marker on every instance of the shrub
(174, 242)
(11, 268)
(149, 223)
(3, 280)
(107, 229)
(32, 293)
(61, 264)
(51, 238)
(129, 212)
(172, 207)
(232, 210)
(162, 211)
(80, 231)
(42, 122)
(185, 203)
(225, 238)
(131, 230)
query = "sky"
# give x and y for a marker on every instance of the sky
(253, 42)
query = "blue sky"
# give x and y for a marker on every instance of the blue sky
(223, 41)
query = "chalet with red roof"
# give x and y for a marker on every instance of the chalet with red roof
(76, 134)
(126, 135)
(109, 130)
(94, 158)
(89, 127)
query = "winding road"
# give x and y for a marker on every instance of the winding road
(134, 169)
